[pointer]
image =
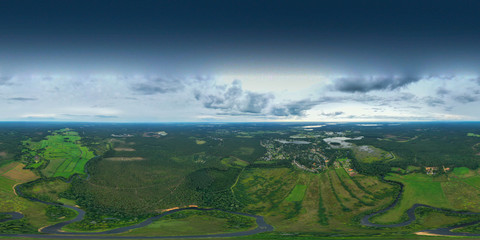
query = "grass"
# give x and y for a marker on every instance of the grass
(297, 193)
(411, 168)
(461, 171)
(18, 174)
(272, 194)
(233, 161)
(193, 222)
(473, 135)
(369, 154)
(200, 142)
(34, 212)
(47, 190)
(473, 181)
(62, 151)
(419, 188)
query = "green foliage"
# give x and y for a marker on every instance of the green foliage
(344, 208)
(322, 217)
(234, 221)
(56, 213)
(100, 223)
(16, 226)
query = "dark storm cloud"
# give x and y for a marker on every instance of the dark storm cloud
(233, 99)
(467, 98)
(22, 99)
(158, 86)
(367, 84)
(433, 101)
(298, 108)
(441, 91)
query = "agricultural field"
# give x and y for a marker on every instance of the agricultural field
(243, 168)
(59, 155)
(299, 201)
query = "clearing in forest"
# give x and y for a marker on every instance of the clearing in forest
(124, 149)
(60, 154)
(124, 158)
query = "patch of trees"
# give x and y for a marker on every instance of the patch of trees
(17, 226)
(56, 213)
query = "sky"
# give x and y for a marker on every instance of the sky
(237, 61)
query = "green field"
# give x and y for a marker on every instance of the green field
(60, 153)
(297, 193)
(419, 188)
(211, 167)
(473, 135)
(461, 171)
(440, 191)
(297, 201)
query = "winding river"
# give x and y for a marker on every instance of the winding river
(54, 231)
(447, 231)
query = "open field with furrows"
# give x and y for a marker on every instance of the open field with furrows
(15, 171)
(295, 201)
(61, 152)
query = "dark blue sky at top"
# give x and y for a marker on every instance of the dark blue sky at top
(420, 37)
(142, 60)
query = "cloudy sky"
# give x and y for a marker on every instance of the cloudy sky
(159, 61)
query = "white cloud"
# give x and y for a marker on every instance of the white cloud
(116, 97)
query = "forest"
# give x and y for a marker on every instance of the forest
(129, 172)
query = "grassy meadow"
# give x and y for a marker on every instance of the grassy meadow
(444, 191)
(59, 155)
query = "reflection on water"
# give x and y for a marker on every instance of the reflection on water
(294, 142)
(339, 142)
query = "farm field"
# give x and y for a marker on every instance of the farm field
(60, 154)
(296, 201)
(136, 177)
